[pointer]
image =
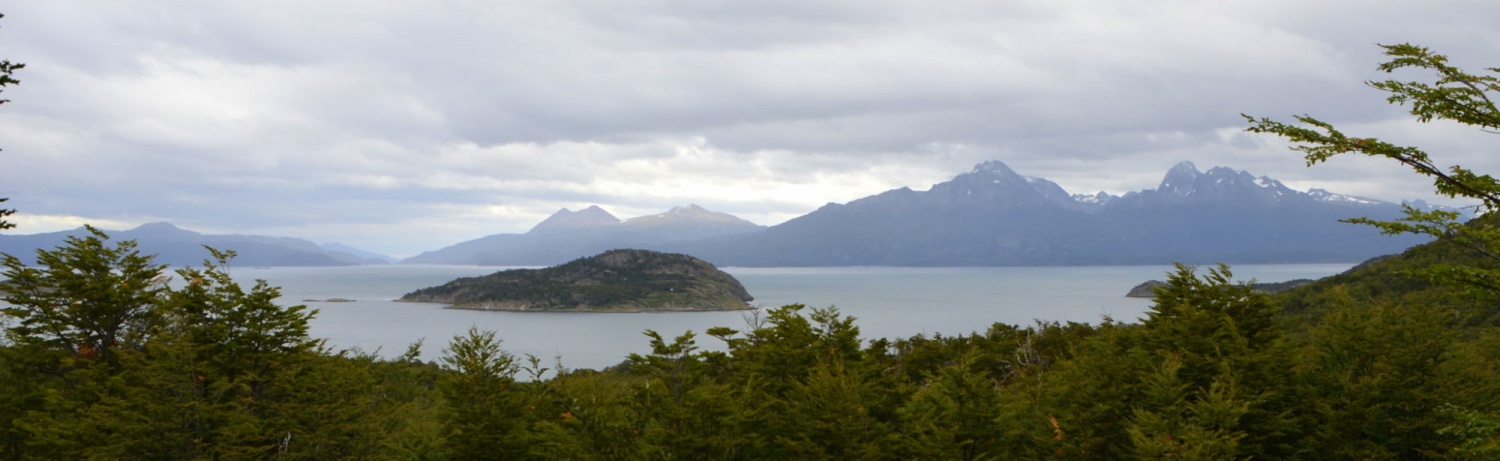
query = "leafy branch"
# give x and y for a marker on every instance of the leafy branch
(1454, 95)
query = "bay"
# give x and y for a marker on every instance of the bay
(887, 302)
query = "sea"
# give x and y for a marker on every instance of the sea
(886, 302)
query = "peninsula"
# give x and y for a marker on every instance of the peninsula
(613, 281)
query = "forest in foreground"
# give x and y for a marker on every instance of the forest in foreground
(103, 360)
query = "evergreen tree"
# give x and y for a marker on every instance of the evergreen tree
(1454, 95)
(1226, 341)
(482, 410)
(1372, 373)
(84, 300)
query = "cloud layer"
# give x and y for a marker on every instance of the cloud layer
(406, 126)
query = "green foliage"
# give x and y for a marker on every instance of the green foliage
(481, 408)
(1175, 420)
(1368, 364)
(1214, 324)
(957, 414)
(225, 373)
(84, 301)
(1454, 95)
(103, 360)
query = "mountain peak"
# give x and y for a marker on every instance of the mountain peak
(691, 208)
(566, 220)
(690, 216)
(159, 230)
(1184, 166)
(994, 166)
(1179, 180)
(158, 227)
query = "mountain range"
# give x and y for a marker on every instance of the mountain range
(568, 235)
(989, 216)
(995, 216)
(180, 247)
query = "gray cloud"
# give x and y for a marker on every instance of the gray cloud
(405, 126)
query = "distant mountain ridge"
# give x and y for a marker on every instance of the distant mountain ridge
(175, 246)
(567, 235)
(988, 216)
(993, 216)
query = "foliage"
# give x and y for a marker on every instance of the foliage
(102, 359)
(86, 300)
(1455, 95)
(213, 370)
(1389, 359)
(7, 70)
(481, 409)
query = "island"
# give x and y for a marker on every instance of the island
(613, 281)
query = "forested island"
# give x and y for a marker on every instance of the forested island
(613, 281)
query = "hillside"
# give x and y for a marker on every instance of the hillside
(613, 281)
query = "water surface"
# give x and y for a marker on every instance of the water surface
(887, 301)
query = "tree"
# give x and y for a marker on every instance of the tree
(85, 299)
(1454, 95)
(6, 69)
(483, 412)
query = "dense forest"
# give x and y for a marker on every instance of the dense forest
(105, 357)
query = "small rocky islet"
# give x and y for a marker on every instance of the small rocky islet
(613, 281)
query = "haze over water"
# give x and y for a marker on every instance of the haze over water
(887, 302)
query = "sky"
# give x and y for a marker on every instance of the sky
(405, 126)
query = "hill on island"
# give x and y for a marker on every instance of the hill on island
(613, 281)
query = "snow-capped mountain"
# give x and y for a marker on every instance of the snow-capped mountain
(995, 216)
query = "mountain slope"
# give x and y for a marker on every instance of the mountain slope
(993, 216)
(567, 235)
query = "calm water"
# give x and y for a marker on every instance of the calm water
(887, 301)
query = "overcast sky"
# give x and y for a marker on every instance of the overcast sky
(400, 127)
